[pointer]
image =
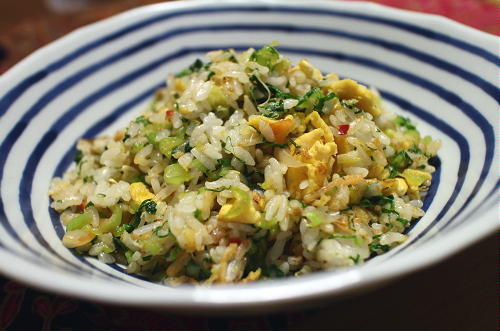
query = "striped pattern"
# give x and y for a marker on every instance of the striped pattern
(90, 82)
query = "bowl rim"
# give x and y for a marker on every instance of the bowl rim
(224, 296)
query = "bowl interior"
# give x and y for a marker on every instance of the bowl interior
(440, 74)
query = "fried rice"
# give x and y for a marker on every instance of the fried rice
(247, 167)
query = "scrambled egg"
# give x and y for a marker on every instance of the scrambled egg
(281, 128)
(348, 89)
(316, 150)
(139, 192)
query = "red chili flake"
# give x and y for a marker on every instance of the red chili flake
(343, 128)
(169, 113)
(81, 207)
(235, 240)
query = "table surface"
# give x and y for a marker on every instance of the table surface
(460, 293)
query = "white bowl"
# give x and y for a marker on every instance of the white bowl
(440, 73)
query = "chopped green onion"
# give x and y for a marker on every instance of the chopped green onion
(400, 160)
(176, 174)
(241, 203)
(78, 156)
(112, 223)
(267, 56)
(79, 221)
(315, 218)
(166, 145)
(195, 67)
(375, 247)
(403, 221)
(268, 224)
(404, 122)
(151, 138)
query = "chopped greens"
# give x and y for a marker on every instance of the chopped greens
(194, 67)
(142, 120)
(148, 206)
(404, 122)
(400, 160)
(267, 56)
(377, 247)
(403, 221)
(78, 156)
(268, 98)
(377, 200)
(355, 259)
(314, 100)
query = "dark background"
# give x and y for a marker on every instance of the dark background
(460, 293)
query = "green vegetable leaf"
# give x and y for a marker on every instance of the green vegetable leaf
(266, 56)
(315, 218)
(403, 221)
(377, 200)
(78, 156)
(314, 100)
(142, 120)
(377, 247)
(195, 67)
(404, 122)
(400, 160)
(355, 259)
(389, 211)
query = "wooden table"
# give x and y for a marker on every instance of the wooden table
(460, 293)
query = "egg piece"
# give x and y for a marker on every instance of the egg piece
(281, 128)
(317, 147)
(349, 89)
(139, 192)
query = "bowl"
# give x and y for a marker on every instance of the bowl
(441, 74)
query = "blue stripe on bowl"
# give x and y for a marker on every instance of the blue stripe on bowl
(19, 89)
(87, 71)
(73, 112)
(91, 99)
(22, 87)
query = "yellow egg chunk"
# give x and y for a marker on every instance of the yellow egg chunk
(240, 210)
(394, 185)
(309, 70)
(179, 85)
(281, 128)
(315, 119)
(349, 89)
(316, 149)
(415, 178)
(139, 192)
(248, 216)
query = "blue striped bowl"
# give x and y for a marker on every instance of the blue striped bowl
(441, 74)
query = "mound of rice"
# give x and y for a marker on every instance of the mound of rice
(244, 168)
